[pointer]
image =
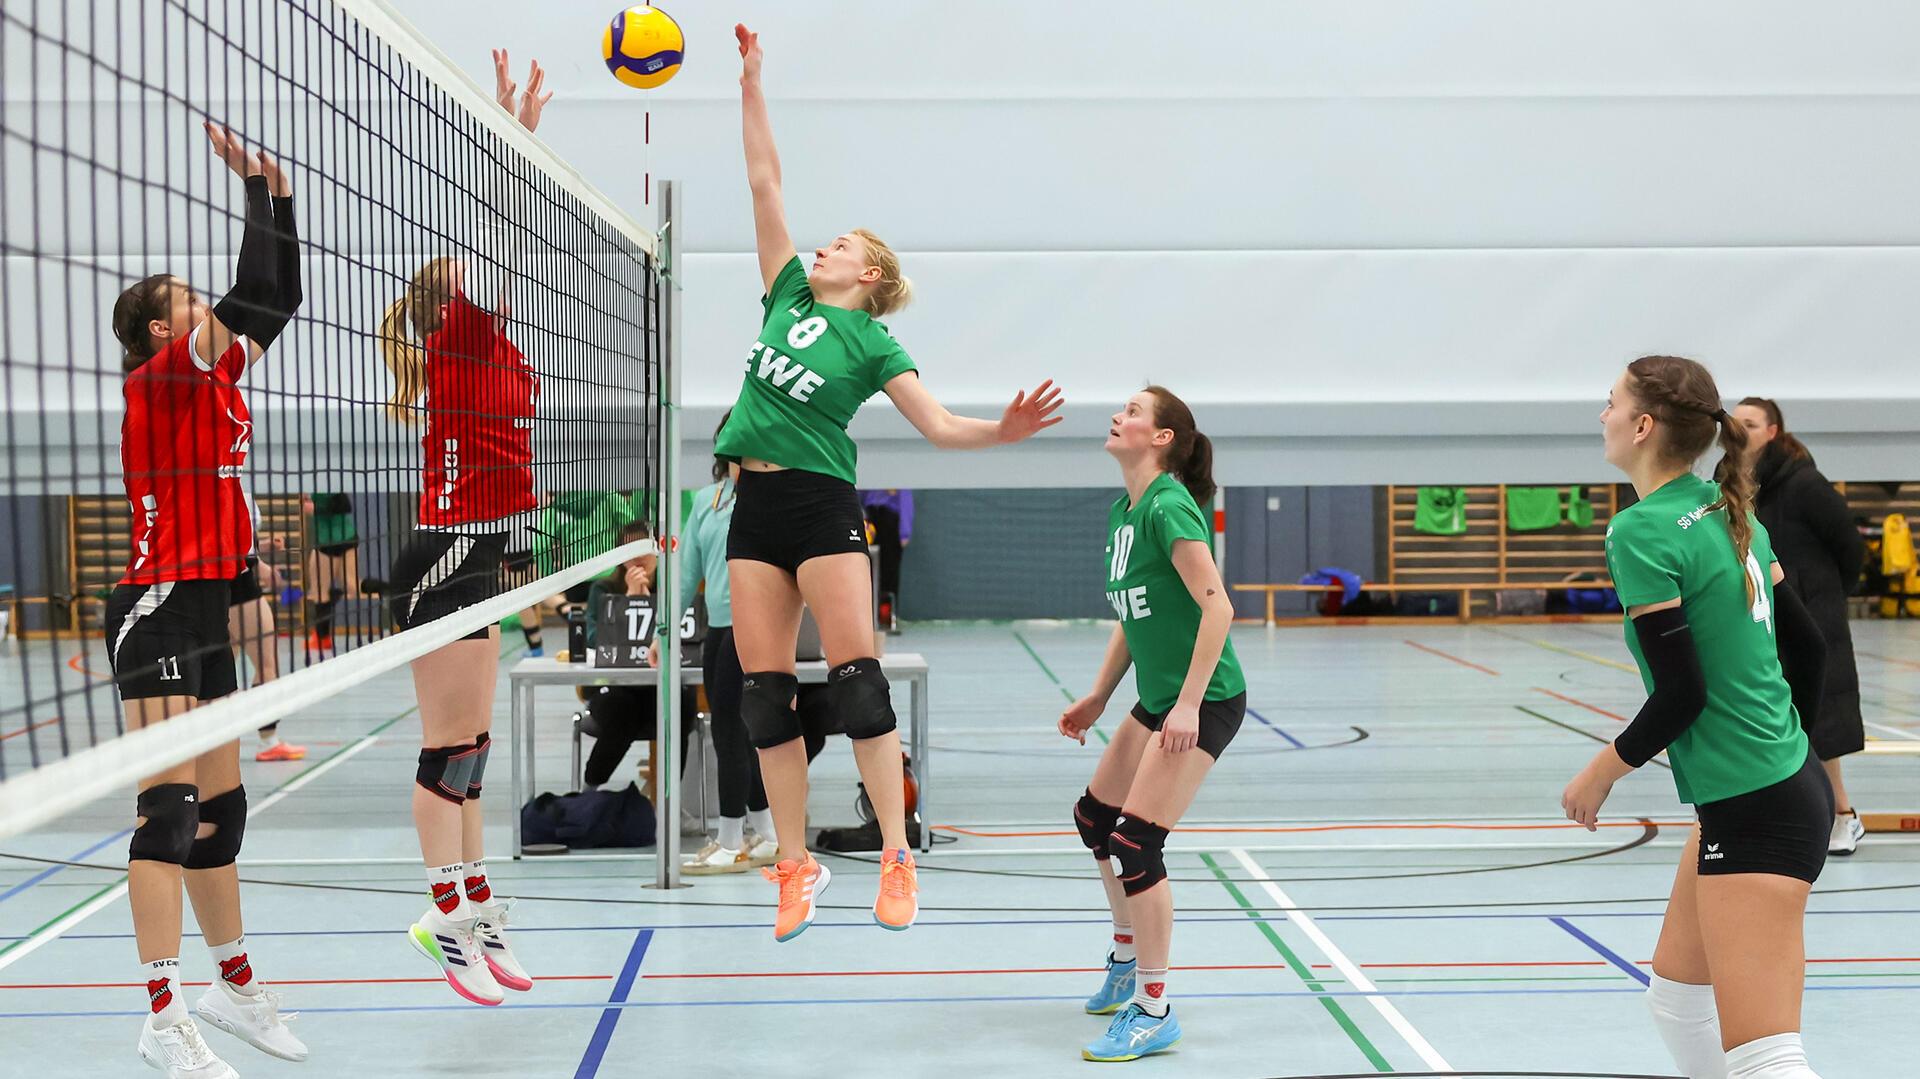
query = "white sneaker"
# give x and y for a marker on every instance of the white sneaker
(761, 850)
(452, 947)
(714, 858)
(1847, 834)
(255, 1020)
(179, 1051)
(490, 929)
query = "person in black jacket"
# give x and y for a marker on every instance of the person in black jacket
(1816, 541)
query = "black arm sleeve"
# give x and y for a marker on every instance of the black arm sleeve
(1803, 652)
(1679, 686)
(256, 306)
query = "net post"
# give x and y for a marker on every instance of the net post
(667, 622)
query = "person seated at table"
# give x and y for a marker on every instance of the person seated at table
(618, 716)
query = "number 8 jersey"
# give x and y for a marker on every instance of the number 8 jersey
(1668, 546)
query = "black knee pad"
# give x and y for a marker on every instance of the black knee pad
(1095, 819)
(173, 815)
(1137, 846)
(485, 744)
(862, 707)
(228, 815)
(766, 707)
(447, 771)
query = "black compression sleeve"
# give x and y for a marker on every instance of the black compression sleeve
(256, 307)
(286, 237)
(1803, 652)
(1679, 686)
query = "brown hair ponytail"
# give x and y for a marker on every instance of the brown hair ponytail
(146, 300)
(1681, 396)
(1190, 458)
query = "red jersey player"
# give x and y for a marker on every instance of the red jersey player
(184, 444)
(477, 393)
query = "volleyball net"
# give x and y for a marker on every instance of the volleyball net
(454, 276)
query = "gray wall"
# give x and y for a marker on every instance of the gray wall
(1278, 534)
(1007, 554)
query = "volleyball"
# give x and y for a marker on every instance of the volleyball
(642, 47)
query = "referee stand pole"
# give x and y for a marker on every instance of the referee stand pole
(667, 621)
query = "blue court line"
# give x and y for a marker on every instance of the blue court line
(518, 929)
(52, 869)
(1604, 952)
(1297, 743)
(868, 1001)
(603, 1032)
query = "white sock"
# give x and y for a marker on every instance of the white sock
(447, 886)
(475, 883)
(1689, 1022)
(236, 971)
(163, 991)
(1779, 1057)
(733, 832)
(761, 821)
(1123, 944)
(1150, 991)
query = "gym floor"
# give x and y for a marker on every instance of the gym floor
(1398, 786)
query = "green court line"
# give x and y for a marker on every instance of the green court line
(1575, 653)
(1312, 981)
(1061, 686)
(289, 780)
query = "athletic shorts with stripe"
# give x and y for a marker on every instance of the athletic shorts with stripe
(170, 640)
(438, 573)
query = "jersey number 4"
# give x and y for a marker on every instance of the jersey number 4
(1762, 610)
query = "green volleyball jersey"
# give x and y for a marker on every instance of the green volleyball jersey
(1669, 546)
(809, 371)
(1156, 611)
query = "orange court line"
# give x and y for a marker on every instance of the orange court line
(1368, 827)
(1456, 659)
(1579, 704)
(24, 730)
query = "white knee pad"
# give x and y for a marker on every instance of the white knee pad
(1689, 1023)
(1779, 1057)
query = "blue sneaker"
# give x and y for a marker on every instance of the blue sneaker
(1118, 988)
(1134, 1034)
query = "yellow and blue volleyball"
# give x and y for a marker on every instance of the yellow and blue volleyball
(643, 47)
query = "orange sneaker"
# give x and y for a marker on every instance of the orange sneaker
(899, 890)
(281, 751)
(800, 886)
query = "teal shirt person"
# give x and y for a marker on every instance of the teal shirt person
(703, 550)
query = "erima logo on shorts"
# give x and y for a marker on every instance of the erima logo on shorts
(1713, 853)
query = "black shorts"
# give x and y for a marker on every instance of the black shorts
(579, 593)
(170, 640)
(246, 587)
(1782, 829)
(438, 573)
(338, 550)
(1219, 721)
(785, 518)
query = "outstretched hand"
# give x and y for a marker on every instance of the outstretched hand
(750, 55)
(229, 149)
(531, 101)
(1029, 414)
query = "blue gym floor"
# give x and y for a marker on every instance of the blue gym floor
(1401, 785)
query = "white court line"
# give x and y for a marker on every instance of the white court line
(57, 929)
(1895, 731)
(1348, 969)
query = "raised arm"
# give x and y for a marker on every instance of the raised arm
(266, 277)
(1026, 416)
(763, 165)
(489, 274)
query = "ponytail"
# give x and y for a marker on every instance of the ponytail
(426, 294)
(894, 290)
(1190, 458)
(1737, 493)
(1681, 396)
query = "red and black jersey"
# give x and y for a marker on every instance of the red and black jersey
(478, 445)
(183, 445)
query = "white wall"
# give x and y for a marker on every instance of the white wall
(1422, 218)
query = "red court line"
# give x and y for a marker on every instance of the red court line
(1579, 704)
(78, 668)
(1456, 659)
(35, 727)
(1423, 827)
(296, 981)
